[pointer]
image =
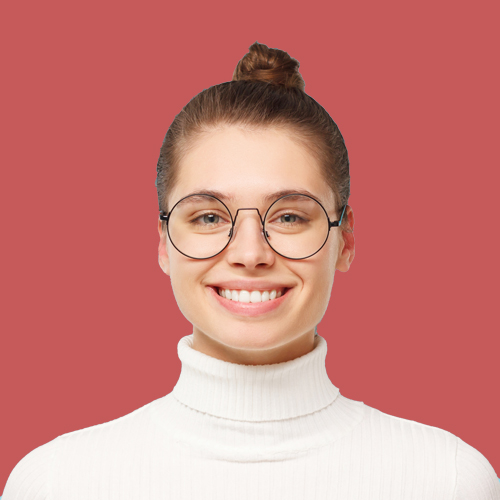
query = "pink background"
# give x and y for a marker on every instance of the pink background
(89, 325)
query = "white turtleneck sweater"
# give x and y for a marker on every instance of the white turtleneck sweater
(230, 431)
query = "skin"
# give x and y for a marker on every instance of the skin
(249, 164)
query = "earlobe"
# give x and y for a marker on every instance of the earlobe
(163, 259)
(346, 254)
(164, 267)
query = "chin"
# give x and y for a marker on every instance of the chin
(250, 337)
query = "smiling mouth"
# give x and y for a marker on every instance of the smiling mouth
(250, 296)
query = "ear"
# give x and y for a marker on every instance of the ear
(163, 259)
(346, 251)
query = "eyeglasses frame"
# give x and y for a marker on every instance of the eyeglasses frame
(165, 217)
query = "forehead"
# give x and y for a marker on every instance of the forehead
(247, 167)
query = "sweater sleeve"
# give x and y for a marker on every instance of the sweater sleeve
(29, 478)
(476, 478)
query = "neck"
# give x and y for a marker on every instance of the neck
(254, 393)
(253, 355)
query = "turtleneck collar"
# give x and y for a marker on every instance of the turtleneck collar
(254, 393)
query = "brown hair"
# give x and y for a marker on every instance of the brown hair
(267, 90)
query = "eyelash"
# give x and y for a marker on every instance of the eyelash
(193, 221)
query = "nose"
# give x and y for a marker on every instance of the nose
(248, 246)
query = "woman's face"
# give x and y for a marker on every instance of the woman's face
(250, 164)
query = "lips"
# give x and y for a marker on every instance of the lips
(248, 308)
(250, 285)
(252, 296)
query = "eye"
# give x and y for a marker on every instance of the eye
(208, 219)
(288, 218)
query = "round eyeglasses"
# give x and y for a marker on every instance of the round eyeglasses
(296, 226)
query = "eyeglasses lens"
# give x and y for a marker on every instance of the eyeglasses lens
(296, 226)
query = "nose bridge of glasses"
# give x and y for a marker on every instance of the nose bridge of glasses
(236, 217)
(258, 212)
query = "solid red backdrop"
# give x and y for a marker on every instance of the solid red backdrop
(89, 325)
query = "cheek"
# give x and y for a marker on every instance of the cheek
(316, 274)
(185, 278)
(179, 276)
(323, 271)
(184, 291)
(322, 285)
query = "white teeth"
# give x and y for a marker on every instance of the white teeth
(249, 296)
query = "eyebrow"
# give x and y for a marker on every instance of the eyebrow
(267, 198)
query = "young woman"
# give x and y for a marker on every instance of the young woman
(253, 187)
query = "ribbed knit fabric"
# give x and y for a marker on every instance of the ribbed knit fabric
(229, 431)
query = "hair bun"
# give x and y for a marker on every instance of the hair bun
(269, 65)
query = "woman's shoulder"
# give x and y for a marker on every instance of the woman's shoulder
(428, 446)
(376, 424)
(31, 473)
(476, 477)
(28, 479)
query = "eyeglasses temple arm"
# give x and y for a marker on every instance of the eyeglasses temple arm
(338, 222)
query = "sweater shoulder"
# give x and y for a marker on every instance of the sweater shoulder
(29, 478)
(476, 478)
(135, 418)
(469, 471)
(416, 433)
(117, 434)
